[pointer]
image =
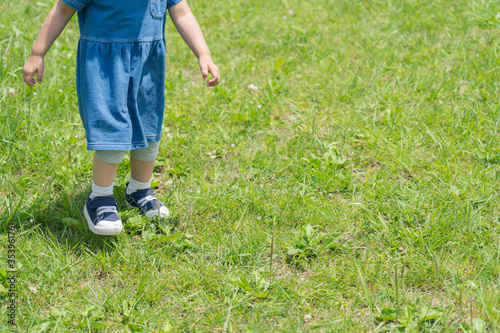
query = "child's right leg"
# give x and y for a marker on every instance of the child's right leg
(103, 173)
(100, 211)
(139, 193)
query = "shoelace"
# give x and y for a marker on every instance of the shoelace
(105, 209)
(142, 202)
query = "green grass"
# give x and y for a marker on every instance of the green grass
(361, 196)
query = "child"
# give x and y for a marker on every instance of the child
(120, 81)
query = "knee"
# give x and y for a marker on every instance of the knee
(146, 154)
(110, 156)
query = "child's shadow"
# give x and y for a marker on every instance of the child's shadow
(62, 221)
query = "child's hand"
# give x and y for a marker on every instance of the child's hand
(34, 65)
(207, 66)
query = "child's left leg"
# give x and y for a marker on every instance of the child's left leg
(138, 192)
(141, 170)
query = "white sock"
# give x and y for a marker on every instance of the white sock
(134, 185)
(99, 191)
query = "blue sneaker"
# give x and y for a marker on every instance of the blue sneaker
(102, 216)
(147, 203)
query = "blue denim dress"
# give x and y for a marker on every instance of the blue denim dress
(120, 75)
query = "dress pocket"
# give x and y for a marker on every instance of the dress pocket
(158, 8)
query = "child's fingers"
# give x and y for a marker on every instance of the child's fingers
(214, 70)
(204, 71)
(28, 78)
(39, 74)
(34, 65)
(29, 81)
(215, 80)
(29, 71)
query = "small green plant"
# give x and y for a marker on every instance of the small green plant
(309, 243)
(131, 325)
(413, 318)
(73, 223)
(88, 319)
(478, 326)
(254, 284)
(179, 241)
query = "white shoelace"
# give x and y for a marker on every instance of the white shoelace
(105, 209)
(145, 200)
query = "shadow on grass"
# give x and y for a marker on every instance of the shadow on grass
(60, 219)
(489, 160)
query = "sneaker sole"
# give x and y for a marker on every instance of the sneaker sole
(111, 232)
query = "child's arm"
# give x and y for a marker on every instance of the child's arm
(52, 27)
(190, 30)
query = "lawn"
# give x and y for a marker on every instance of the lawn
(343, 177)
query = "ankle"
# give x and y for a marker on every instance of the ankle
(101, 191)
(134, 185)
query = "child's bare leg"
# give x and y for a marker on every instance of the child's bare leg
(140, 170)
(106, 164)
(104, 173)
(142, 163)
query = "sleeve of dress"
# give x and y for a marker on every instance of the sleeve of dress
(77, 4)
(170, 3)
